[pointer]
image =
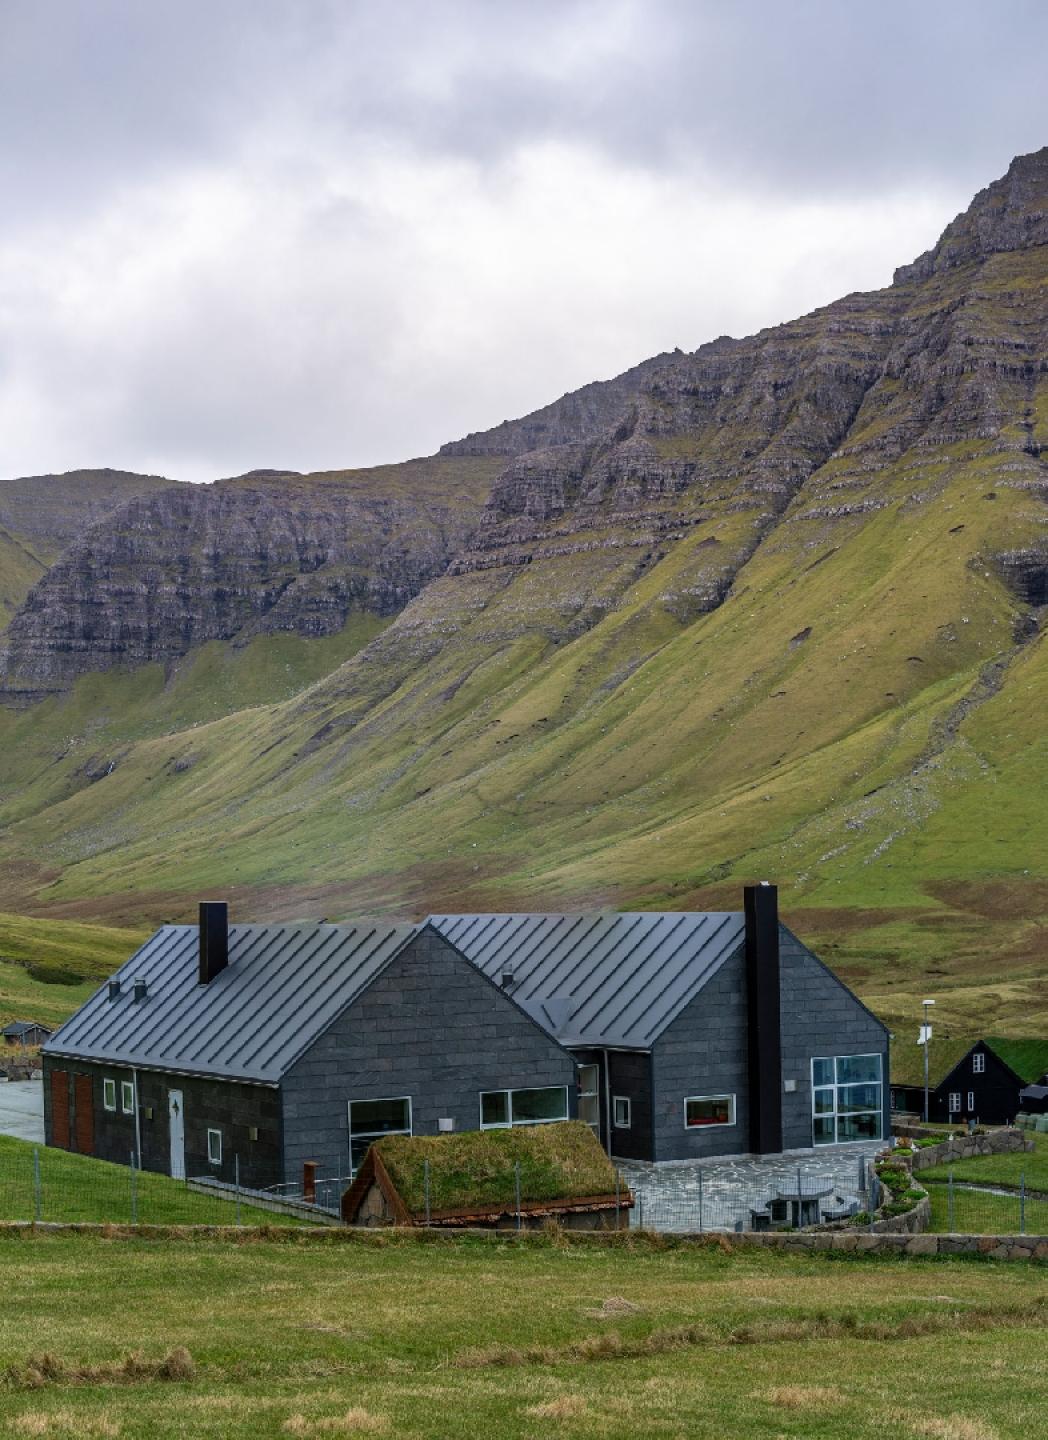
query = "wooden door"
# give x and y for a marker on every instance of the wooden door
(83, 1091)
(60, 1108)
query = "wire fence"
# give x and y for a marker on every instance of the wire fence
(787, 1197)
(962, 1208)
(45, 1184)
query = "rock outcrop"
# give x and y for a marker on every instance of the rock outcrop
(263, 553)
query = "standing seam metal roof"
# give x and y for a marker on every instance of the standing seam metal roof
(599, 978)
(283, 986)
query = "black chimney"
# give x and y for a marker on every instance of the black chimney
(214, 939)
(762, 995)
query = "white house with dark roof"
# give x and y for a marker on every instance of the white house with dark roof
(675, 1035)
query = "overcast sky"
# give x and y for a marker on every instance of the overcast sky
(320, 233)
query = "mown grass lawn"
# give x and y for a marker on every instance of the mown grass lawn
(1000, 1169)
(465, 1338)
(979, 1212)
(77, 1188)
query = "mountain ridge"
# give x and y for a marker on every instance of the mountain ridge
(769, 609)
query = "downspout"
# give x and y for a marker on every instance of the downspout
(607, 1101)
(138, 1119)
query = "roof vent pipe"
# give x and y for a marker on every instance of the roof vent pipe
(140, 991)
(507, 979)
(214, 939)
(114, 989)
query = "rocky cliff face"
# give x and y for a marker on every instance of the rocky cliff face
(51, 511)
(263, 553)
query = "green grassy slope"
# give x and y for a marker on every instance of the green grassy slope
(470, 1337)
(565, 719)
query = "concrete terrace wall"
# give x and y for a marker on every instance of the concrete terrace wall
(430, 1027)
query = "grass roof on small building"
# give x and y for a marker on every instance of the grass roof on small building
(474, 1169)
(1028, 1058)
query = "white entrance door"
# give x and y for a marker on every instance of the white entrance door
(177, 1130)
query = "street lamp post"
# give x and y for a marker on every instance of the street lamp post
(926, 1036)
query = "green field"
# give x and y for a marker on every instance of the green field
(481, 1337)
(981, 1212)
(76, 1188)
(1000, 1169)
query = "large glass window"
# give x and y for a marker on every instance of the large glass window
(846, 1098)
(371, 1119)
(500, 1108)
(703, 1110)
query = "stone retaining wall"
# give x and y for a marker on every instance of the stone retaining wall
(996, 1247)
(967, 1147)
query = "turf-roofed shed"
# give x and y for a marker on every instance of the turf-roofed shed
(481, 1178)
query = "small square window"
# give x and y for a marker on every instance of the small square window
(127, 1097)
(214, 1147)
(109, 1094)
(620, 1109)
(978, 1063)
(955, 1102)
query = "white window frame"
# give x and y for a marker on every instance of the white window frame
(712, 1124)
(979, 1063)
(627, 1104)
(584, 1095)
(377, 1134)
(509, 1094)
(954, 1103)
(971, 1101)
(836, 1112)
(127, 1097)
(109, 1095)
(212, 1157)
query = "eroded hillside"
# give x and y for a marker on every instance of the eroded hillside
(769, 608)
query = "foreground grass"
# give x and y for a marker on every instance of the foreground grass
(466, 1337)
(79, 1189)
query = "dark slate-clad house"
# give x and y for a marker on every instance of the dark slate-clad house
(675, 1036)
(25, 1032)
(979, 1080)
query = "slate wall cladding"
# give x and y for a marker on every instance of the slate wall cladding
(704, 1052)
(430, 1026)
(228, 1106)
(630, 1075)
(820, 1016)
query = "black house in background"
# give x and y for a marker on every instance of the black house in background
(259, 1047)
(978, 1080)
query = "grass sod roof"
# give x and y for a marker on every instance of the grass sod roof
(474, 1169)
(1027, 1057)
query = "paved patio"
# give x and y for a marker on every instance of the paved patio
(717, 1194)
(22, 1110)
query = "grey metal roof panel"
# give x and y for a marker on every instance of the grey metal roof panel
(599, 978)
(283, 986)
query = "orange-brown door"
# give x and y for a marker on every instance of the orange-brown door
(85, 1114)
(60, 1108)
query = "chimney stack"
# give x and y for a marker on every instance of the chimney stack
(761, 903)
(214, 939)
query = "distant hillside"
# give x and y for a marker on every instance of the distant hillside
(41, 514)
(769, 609)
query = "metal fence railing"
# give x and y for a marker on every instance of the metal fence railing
(961, 1207)
(45, 1184)
(693, 1199)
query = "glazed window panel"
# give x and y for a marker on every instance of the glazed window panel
(847, 1098)
(701, 1111)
